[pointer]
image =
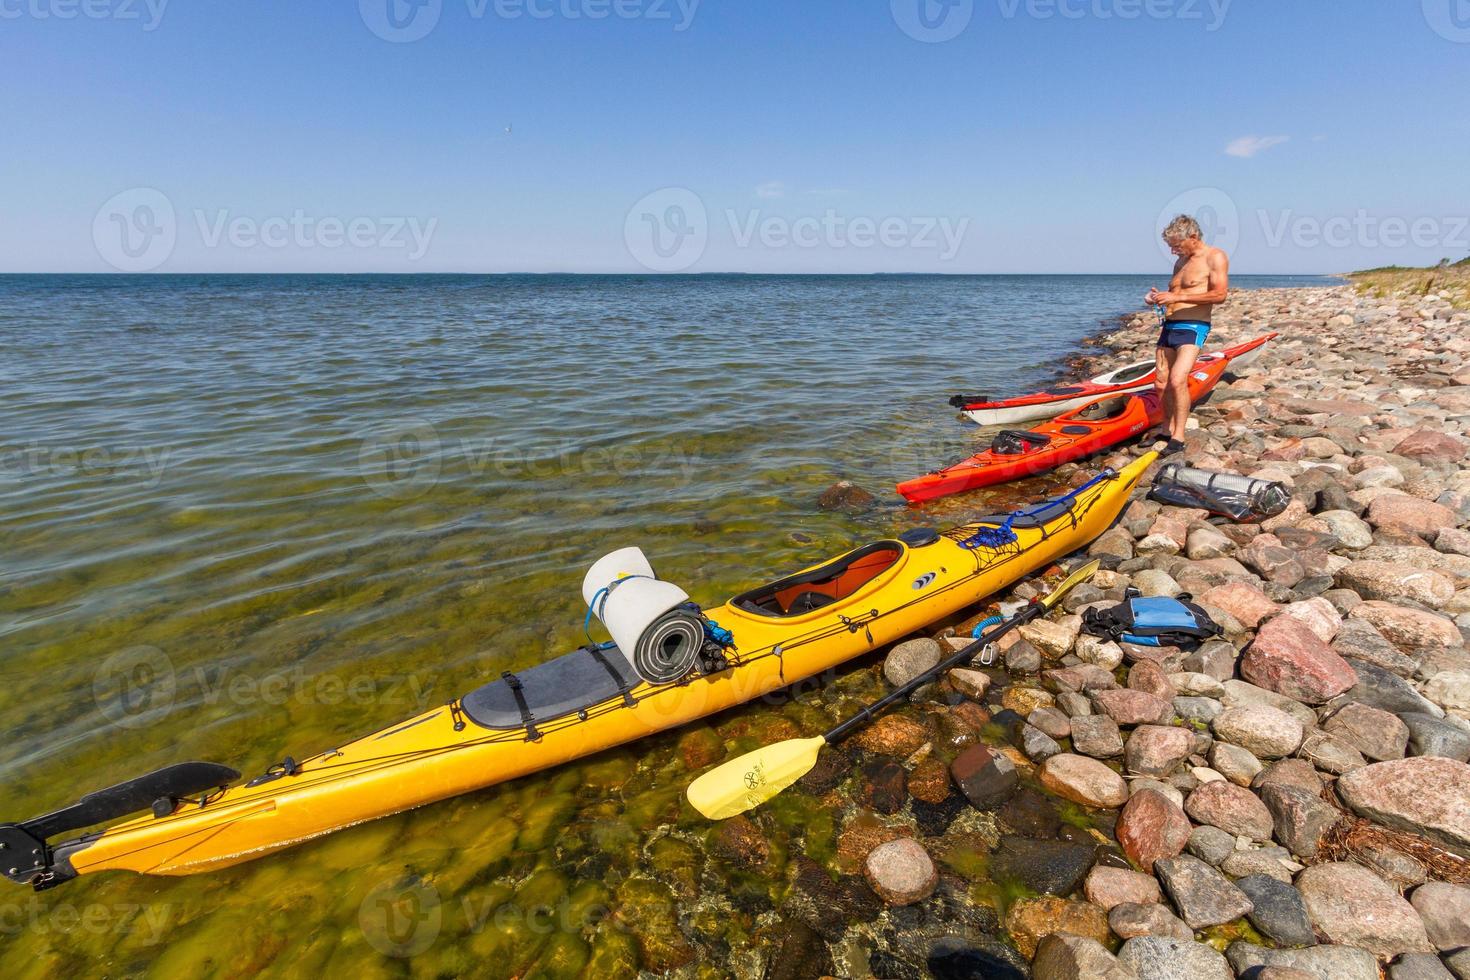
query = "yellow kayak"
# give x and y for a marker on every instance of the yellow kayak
(568, 708)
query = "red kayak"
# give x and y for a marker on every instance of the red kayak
(1090, 429)
(1049, 404)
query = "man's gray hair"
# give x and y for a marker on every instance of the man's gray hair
(1181, 228)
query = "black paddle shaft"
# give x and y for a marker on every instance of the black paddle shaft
(1034, 610)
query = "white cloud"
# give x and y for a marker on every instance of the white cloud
(1249, 146)
(771, 189)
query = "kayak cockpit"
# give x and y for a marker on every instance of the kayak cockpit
(575, 682)
(809, 591)
(1104, 409)
(1125, 375)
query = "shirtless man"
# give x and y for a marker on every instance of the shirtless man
(1201, 280)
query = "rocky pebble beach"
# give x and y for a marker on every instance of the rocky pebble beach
(1287, 802)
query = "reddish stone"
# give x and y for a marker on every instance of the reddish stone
(929, 781)
(973, 716)
(893, 735)
(1234, 809)
(1110, 887)
(1288, 452)
(1290, 659)
(1409, 629)
(1274, 562)
(1151, 828)
(901, 872)
(1083, 780)
(1147, 675)
(1399, 511)
(1243, 601)
(1157, 750)
(986, 777)
(1428, 444)
(1328, 406)
(1133, 707)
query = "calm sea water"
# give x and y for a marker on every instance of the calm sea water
(245, 517)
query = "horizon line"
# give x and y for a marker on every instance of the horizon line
(657, 275)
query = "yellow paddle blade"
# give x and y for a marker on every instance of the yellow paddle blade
(1069, 583)
(747, 782)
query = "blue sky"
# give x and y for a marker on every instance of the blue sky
(729, 135)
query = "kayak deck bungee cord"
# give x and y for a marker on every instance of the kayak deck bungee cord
(191, 820)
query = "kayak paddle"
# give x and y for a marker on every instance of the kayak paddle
(746, 782)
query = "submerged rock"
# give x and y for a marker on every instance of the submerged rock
(1063, 957)
(1043, 866)
(911, 658)
(845, 496)
(986, 777)
(1029, 920)
(901, 871)
(1084, 780)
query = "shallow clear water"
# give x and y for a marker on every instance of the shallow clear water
(246, 517)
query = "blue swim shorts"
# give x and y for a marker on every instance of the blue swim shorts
(1179, 333)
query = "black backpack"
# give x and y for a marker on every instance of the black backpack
(1157, 621)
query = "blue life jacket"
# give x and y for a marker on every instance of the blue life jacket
(1156, 621)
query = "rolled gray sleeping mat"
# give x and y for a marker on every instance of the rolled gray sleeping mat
(649, 620)
(669, 649)
(1241, 498)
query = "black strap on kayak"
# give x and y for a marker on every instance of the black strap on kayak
(601, 658)
(527, 720)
